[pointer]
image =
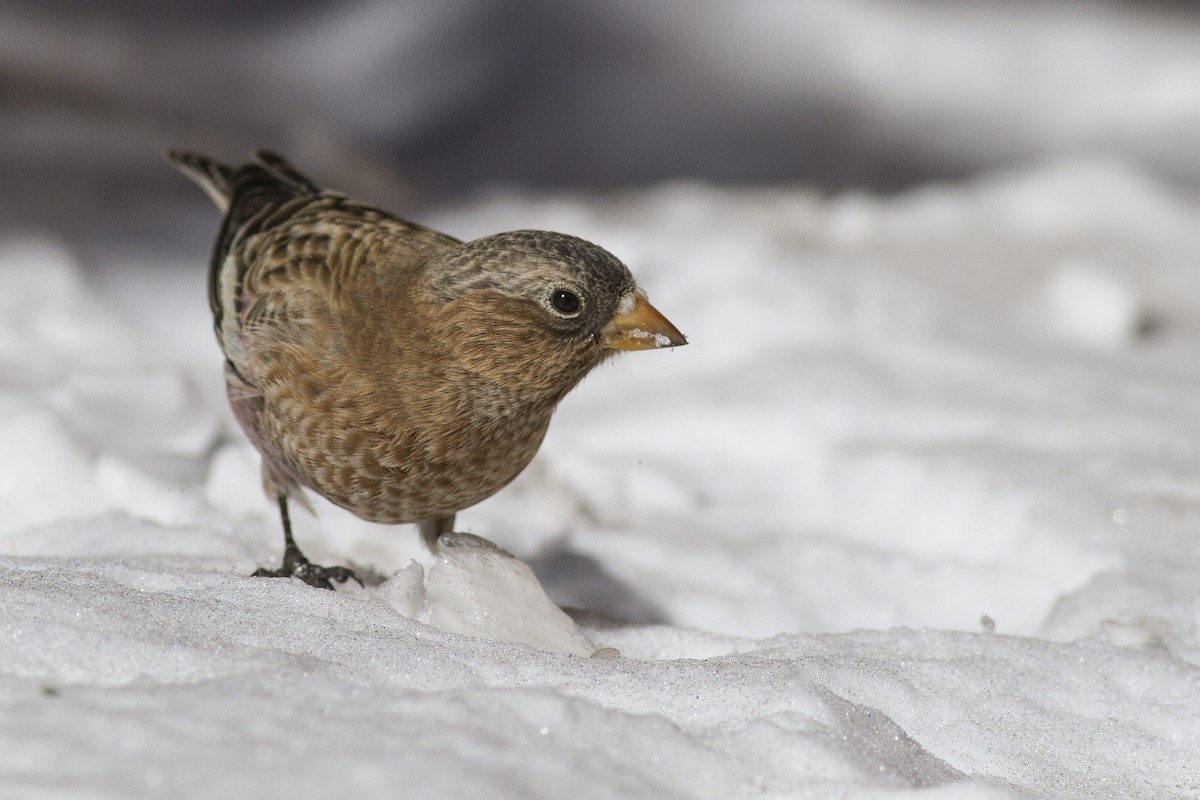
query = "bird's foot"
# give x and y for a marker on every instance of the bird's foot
(313, 574)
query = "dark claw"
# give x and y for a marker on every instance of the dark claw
(312, 574)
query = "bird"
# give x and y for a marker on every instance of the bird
(397, 371)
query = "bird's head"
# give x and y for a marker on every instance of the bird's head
(540, 309)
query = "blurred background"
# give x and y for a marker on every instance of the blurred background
(408, 102)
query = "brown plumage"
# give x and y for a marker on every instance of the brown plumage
(400, 373)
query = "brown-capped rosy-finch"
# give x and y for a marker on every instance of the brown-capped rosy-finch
(398, 372)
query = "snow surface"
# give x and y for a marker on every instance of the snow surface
(913, 516)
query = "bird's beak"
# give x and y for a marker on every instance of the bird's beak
(639, 326)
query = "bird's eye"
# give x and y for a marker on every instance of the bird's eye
(565, 301)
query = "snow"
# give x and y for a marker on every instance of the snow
(913, 516)
(478, 589)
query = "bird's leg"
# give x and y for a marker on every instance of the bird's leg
(432, 529)
(297, 565)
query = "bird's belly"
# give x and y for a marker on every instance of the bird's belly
(417, 475)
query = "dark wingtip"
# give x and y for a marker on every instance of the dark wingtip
(210, 175)
(280, 168)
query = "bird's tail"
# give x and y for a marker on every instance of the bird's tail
(215, 178)
(269, 175)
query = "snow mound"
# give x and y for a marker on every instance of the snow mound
(478, 589)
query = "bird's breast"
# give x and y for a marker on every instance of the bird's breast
(406, 462)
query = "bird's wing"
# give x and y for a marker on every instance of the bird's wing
(286, 247)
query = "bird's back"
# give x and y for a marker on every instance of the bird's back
(283, 235)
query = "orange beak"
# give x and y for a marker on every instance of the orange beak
(639, 326)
